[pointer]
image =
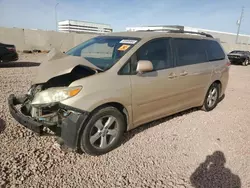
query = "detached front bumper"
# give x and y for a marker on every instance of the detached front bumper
(26, 121)
(69, 128)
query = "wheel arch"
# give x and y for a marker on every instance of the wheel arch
(120, 107)
(204, 105)
(219, 83)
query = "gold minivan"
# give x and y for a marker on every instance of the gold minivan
(90, 95)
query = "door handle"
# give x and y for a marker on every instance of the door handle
(184, 73)
(172, 75)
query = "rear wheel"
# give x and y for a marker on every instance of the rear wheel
(212, 97)
(103, 131)
(246, 62)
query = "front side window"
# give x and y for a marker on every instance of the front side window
(158, 52)
(126, 69)
(104, 51)
(189, 51)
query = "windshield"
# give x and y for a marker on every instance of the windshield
(104, 51)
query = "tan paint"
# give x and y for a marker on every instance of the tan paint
(146, 96)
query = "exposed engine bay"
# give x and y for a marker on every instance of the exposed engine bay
(52, 114)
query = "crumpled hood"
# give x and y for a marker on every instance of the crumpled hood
(58, 63)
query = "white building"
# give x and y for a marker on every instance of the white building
(83, 27)
(225, 37)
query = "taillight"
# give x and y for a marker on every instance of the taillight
(228, 63)
(11, 48)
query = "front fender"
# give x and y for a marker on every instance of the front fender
(99, 91)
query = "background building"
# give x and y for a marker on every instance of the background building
(83, 27)
(225, 37)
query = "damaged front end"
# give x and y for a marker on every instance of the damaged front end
(44, 105)
(40, 110)
(41, 107)
(64, 121)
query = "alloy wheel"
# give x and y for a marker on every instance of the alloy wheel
(104, 132)
(212, 97)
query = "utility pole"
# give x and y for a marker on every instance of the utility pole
(56, 15)
(239, 24)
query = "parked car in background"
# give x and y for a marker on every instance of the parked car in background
(92, 94)
(239, 57)
(8, 52)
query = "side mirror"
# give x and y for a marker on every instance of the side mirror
(144, 66)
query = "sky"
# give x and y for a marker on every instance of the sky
(220, 15)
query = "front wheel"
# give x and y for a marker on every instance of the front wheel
(212, 98)
(103, 131)
(246, 62)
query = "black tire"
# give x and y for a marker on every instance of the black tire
(207, 107)
(85, 144)
(246, 62)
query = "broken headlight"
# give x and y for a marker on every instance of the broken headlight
(54, 95)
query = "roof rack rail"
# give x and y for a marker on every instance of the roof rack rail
(178, 31)
(171, 29)
(193, 32)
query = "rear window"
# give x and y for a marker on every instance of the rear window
(214, 50)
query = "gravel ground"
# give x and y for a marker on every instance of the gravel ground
(171, 152)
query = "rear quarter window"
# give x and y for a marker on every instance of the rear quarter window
(214, 50)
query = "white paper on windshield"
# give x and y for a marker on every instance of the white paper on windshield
(128, 41)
